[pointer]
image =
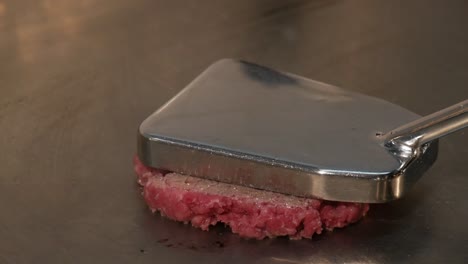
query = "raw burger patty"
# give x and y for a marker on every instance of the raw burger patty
(248, 212)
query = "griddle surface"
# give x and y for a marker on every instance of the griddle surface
(78, 77)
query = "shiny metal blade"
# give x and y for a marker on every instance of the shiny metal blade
(245, 124)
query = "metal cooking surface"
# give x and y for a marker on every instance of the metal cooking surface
(77, 78)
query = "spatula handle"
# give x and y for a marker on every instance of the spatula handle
(430, 127)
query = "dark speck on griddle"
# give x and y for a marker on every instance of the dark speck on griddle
(219, 244)
(192, 247)
(163, 240)
(142, 250)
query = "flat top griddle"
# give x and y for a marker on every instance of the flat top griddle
(77, 78)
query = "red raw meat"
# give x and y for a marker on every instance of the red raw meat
(251, 213)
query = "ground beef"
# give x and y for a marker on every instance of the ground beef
(248, 212)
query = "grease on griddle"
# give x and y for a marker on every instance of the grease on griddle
(190, 245)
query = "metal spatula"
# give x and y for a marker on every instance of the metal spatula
(245, 124)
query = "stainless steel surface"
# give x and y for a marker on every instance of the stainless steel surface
(77, 78)
(428, 128)
(246, 124)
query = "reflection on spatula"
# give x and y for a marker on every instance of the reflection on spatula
(245, 124)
